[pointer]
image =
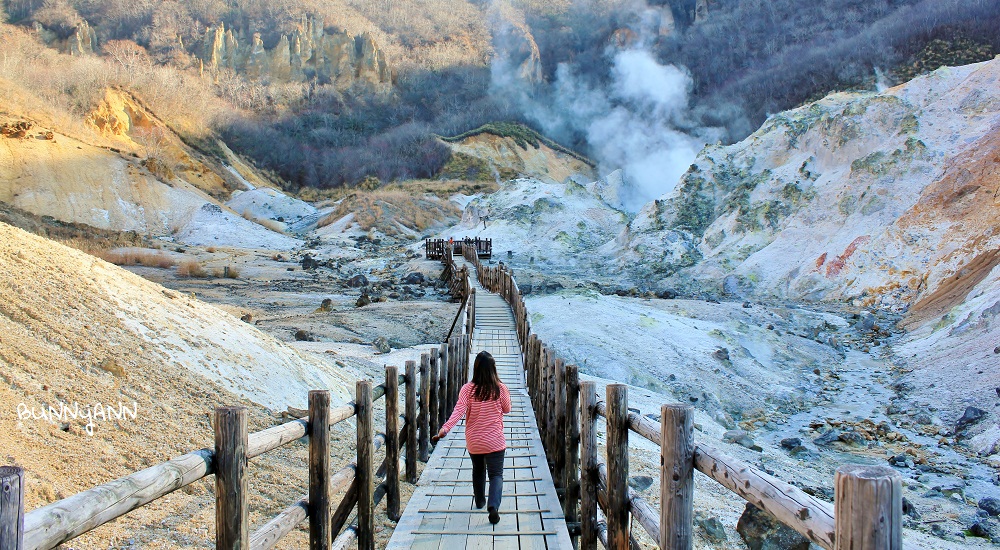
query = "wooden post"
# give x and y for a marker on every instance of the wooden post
(365, 472)
(232, 526)
(11, 508)
(434, 404)
(588, 466)
(550, 409)
(559, 433)
(868, 504)
(320, 535)
(572, 483)
(424, 419)
(617, 448)
(444, 410)
(546, 399)
(677, 477)
(392, 441)
(411, 421)
(466, 350)
(529, 362)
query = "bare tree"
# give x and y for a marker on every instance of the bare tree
(129, 58)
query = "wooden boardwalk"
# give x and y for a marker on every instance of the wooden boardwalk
(441, 514)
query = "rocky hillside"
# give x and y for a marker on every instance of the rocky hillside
(884, 200)
(311, 52)
(125, 170)
(77, 330)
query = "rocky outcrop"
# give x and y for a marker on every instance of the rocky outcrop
(82, 41)
(885, 200)
(311, 51)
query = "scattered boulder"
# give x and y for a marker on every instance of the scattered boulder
(413, 278)
(980, 529)
(714, 530)
(790, 443)
(760, 531)
(866, 322)
(363, 300)
(852, 438)
(991, 505)
(640, 483)
(722, 354)
(741, 438)
(381, 344)
(909, 509)
(15, 129)
(971, 417)
(309, 263)
(357, 281)
(827, 437)
(302, 335)
(666, 294)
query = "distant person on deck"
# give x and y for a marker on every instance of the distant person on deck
(483, 402)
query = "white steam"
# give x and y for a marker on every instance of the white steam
(636, 122)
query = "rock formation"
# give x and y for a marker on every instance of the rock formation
(311, 51)
(82, 41)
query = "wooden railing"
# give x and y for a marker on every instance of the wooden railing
(442, 370)
(866, 514)
(435, 249)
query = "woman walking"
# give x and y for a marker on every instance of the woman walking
(483, 402)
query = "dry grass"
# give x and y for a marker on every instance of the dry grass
(228, 272)
(191, 268)
(444, 188)
(273, 225)
(387, 210)
(148, 258)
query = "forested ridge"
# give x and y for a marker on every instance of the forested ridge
(746, 58)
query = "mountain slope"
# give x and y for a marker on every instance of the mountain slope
(872, 198)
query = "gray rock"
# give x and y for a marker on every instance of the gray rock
(357, 281)
(909, 509)
(827, 437)
(714, 530)
(852, 438)
(923, 419)
(741, 438)
(722, 354)
(302, 336)
(640, 483)
(971, 417)
(866, 322)
(991, 505)
(760, 531)
(980, 529)
(381, 345)
(413, 278)
(791, 443)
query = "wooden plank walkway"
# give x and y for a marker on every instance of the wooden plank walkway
(441, 514)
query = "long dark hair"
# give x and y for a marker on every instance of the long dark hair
(485, 380)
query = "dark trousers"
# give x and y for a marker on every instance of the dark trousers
(491, 463)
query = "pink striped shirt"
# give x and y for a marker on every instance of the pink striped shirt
(483, 420)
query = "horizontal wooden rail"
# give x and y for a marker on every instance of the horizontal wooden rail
(53, 524)
(808, 515)
(351, 532)
(289, 518)
(56, 523)
(641, 510)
